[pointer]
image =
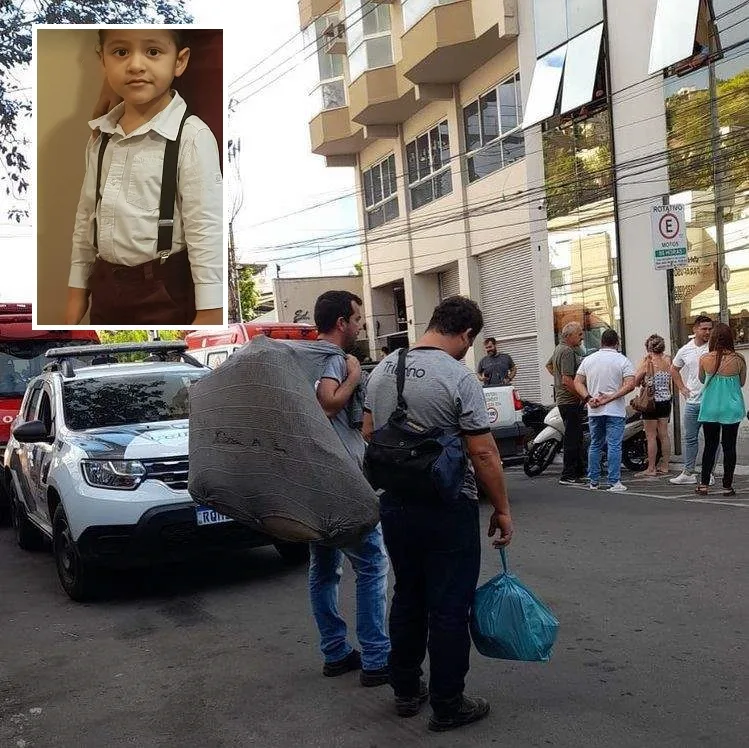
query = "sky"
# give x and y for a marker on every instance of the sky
(279, 173)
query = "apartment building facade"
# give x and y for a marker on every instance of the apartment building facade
(514, 151)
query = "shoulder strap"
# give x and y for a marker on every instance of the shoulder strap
(400, 378)
(169, 192)
(99, 162)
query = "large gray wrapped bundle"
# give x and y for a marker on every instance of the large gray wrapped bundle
(263, 452)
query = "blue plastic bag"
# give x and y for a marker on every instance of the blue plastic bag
(508, 622)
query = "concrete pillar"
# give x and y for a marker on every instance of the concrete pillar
(422, 295)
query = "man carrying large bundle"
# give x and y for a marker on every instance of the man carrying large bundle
(338, 318)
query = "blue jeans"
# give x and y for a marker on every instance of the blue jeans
(370, 563)
(691, 435)
(435, 549)
(609, 429)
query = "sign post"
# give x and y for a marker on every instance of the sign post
(669, 237)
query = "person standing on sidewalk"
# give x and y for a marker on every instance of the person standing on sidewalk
(563, 365)
(435, 547)
(656, 422)
(611, 376)
(685, 371)
(723, 372)
(339, 319)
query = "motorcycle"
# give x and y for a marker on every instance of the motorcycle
(533, 417)
(548, 443)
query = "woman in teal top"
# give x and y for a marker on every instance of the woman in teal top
(724, 373)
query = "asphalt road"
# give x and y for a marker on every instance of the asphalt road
(650, 588)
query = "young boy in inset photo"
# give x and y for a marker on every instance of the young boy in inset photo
(147, 244)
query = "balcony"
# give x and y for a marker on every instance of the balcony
(382, 96)
(332, 133)
(450, 41)
(309, 10)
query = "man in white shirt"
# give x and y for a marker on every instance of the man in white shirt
(602, 381)
(685, 370)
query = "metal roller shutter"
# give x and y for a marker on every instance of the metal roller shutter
(449, 282)
(509, 312)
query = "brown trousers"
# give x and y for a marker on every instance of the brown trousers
(153, 293)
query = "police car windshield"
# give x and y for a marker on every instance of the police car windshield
(127, 399)
(22, 360)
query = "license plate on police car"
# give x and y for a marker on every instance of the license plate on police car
(207, 516)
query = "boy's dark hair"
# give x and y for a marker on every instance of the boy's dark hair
(455, 315)
(609, 339)
(701, 319)
(180, 38)
(331, 306)
(490, 340)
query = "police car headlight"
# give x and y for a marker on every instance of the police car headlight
(125, 475)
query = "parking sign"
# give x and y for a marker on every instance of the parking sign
(669, 237)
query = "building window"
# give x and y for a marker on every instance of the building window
(415, 10)
(368, 36)
(428, 158)
(581, 226)
(556, 21)
(380, 193)
(327, 86)
(578, 68)
(492, 129)
(694, 167)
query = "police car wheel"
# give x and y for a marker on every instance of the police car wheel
(77, 577)
(27, 535)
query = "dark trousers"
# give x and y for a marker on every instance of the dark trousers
(712, 432)
(573, 452)
(153, 293)
(435, 551)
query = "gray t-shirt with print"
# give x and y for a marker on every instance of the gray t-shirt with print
(439, 391)
(336, 369)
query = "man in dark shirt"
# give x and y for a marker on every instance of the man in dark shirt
(496, 368)
(563, 365)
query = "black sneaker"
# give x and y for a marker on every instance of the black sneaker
(472, 709)
(410, 706)
(572, 482)
(373, 678)
(352, 661)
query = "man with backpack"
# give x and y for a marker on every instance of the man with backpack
(433, 541)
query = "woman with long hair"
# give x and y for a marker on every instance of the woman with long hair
(656, 422)
(724, 373)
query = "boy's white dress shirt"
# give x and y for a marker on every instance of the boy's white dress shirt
(130, 192)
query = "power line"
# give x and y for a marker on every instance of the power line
(459, 154)
(524, 198)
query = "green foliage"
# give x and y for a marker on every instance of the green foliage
(136, 336)
(358, 268)
(16, 18)
(248, 292)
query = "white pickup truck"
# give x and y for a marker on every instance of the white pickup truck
(506, 417)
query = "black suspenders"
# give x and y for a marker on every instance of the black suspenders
(168, 191)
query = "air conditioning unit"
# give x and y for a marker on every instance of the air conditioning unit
(334, 39)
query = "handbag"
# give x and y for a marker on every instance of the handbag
(644, 401)
(411, 460)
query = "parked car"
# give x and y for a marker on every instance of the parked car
(97, 462)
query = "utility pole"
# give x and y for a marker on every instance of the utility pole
(719, 191)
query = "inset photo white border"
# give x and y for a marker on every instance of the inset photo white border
(35, 145)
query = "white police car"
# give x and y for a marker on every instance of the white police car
(97, 462)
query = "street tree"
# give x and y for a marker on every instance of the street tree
(16, 19)
(248, 292)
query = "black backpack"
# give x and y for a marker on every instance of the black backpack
(412, 461)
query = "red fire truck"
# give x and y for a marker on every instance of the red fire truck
(21, 359)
